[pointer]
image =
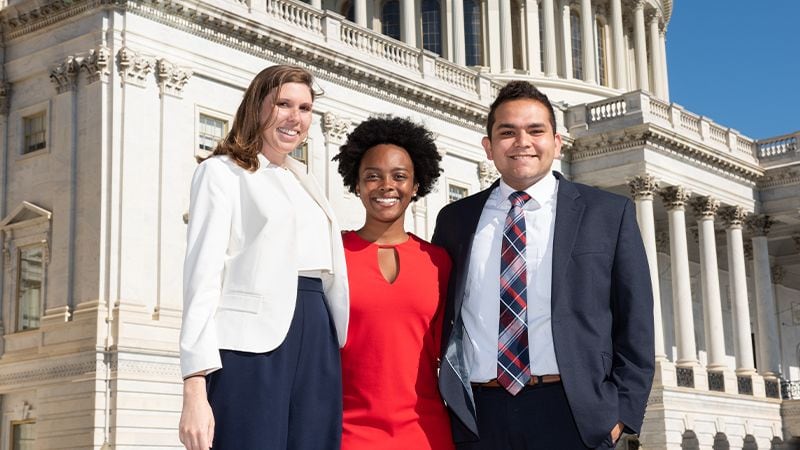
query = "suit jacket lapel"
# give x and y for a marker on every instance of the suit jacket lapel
(569, 212)
(311, 186)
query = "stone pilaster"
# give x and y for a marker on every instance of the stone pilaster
(766, 312)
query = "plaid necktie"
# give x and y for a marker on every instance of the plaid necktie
(513, 365)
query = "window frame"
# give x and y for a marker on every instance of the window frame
(20, 116)
(17, 306)
(11, 426)
(457, 184)
(214, 114)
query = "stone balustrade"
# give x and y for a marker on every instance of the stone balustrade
(780, 147)
(384, 51)
(639, 107)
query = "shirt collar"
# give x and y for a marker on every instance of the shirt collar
(541, 192)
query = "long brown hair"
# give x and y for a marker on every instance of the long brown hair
(244, 141)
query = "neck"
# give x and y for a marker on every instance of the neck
(277, 158)
(383, 233)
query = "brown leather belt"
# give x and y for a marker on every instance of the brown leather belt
(535, 379)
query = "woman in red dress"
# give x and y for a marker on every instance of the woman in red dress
(397, 286)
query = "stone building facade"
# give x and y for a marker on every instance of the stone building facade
(105, 105)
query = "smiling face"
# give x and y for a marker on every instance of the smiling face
(287, 113)
(386, 184)
(523, 144)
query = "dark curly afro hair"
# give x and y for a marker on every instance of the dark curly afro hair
(414, 139)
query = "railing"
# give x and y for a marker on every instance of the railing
(380, 46)
(778, 146)
(659, 108)
(690, 122)
(790, 390)
(607, 109)
(718, 134)
(297, 14)
(456, 75)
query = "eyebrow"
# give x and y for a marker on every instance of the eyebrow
(530, 125)
(392, 169)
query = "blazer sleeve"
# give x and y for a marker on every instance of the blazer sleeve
(632, 308)
(208, 234)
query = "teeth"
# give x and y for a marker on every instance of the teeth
(387, 201)
(288, 131)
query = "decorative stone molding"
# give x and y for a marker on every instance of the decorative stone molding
(643, 187)
(487, 173)
(759, 224)
(334, 128)
(748, 249)
(704, 207)
(733, 216)
(65, 75)
(675, 197)
(695, 234)
(96, 64)
(5, 97)
(134, 67)
(171, 78)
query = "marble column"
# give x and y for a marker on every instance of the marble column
(642, 189)
(675, 198)
(408, 31)
(705, 210)
(549, 22)
(566, 39)
(640, 46)
(506, 46)
(587, 41)
(664, 72)
(732, 218)
(532, 30)
(655, 48)
(493, 35)
(459, 39)
(360, 12)
(618, 45)
(766, 313)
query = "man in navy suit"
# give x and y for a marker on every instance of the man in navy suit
(578, 328)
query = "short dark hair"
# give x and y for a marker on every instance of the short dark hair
(516, 90)
(415, 139)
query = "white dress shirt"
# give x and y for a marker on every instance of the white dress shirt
(312, 228)
(481, 309)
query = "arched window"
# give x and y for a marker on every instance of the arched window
(602, 55)
(577, 44)
(517, 36)
(349, 11)
(472, 32)
(390, 19)
(432, 26)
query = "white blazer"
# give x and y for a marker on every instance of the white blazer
(240, 272)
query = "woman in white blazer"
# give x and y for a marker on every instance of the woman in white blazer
(265, 285)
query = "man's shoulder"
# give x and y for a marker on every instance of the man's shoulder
(593, 195)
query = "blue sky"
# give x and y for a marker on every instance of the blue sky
(738, 63)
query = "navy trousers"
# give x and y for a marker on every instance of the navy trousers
(538, 418)
(289, 398)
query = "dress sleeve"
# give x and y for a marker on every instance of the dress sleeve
(208, 234)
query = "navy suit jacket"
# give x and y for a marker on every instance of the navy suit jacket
(601, 305)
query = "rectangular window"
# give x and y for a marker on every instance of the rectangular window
(29, 288)
(22, 435)
(301, 153)
(601, 53)
(35, 133)
(455, 192)
(211, 130)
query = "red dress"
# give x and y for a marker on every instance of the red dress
(391, 399)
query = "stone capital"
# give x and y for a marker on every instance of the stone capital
(733, 216)
(705, 208)
(65, 75)
(759, 224)
(334, 128)
(777, 272)
(748, 249)
(487, 173)
(134, 67)
(675, 197)
(643, 187)
(96, 64)
(171, 78)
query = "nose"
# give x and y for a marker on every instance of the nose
(521, 140)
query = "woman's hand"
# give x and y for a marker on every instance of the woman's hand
(196, 429)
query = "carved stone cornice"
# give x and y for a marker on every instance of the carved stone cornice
(643, 187)
(732, 216)
(487, 173)
(675, 197)
(705, 207)
(334, 128)
(134, 67)
(65, 75)
(783, 176)
(759, 224)
(171, 78)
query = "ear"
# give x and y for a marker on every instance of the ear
(487, 146)
(558, 142)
